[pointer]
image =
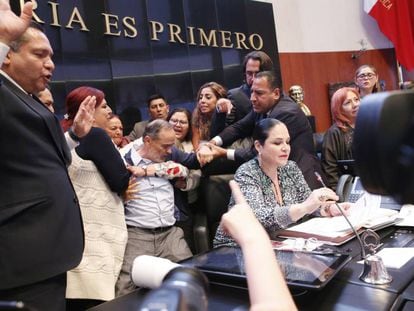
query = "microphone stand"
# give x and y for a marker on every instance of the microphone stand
(363, 254)
(374, 271)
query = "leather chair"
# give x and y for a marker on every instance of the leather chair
(317, 142)
(214, 195)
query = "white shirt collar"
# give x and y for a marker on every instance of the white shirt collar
(4, 49)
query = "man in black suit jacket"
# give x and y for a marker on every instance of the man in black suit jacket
(41, 235)
(239, 97)
(268, 102)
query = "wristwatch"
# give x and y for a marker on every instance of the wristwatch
(145, 167)
(73, 135)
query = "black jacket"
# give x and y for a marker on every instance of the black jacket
(41, 229)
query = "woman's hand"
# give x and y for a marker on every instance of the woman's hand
(224, 105)
(332, 210)
(320, 198)
(132, 192)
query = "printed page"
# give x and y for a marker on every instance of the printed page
(406, 216)
(366, 212)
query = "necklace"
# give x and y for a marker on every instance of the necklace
(277, 192)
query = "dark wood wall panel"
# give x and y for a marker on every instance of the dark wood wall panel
(314, 72)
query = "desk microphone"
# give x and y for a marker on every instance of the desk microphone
(374, 271)
(319, 178)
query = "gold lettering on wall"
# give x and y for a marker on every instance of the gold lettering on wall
(111, 25)
(55, 14)
(211, 39)
(240, 38)
(175, 32)
(126, 27)
(190, 34)
(76, 18)
(35, 17)
(155, 29)
(226, 39)
(256, 45)
(130, 30)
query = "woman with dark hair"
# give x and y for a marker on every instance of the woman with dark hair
(208, 96)
(367, 80)
(180, 119)
(99, 177)
(337, 141)
(274, 187)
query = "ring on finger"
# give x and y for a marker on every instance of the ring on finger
(322, 198)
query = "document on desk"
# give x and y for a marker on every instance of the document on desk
(365, 213)
(406, 216)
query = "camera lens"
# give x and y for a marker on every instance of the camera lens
(384, 145)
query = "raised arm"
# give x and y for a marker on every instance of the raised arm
(11, 25)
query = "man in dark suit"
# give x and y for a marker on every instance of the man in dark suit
(238, 99)
(41, 235)
(268, 102)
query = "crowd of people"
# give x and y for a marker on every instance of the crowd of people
(82, 199)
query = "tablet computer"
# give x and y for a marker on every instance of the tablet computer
(224, 265)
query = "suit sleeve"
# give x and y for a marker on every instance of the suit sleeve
(218, 123)
(189, 160)
(132, 136)
(241, 129)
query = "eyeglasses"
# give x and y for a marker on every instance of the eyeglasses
(366, 75)
(181, 122)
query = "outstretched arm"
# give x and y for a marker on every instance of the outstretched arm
(267, 287)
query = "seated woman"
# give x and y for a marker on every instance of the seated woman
(367, 80)
(208, 95)
(99, 176)
(274, 187)
(115, 130)
(337, 141)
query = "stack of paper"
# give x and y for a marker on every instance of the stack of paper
(365, 213)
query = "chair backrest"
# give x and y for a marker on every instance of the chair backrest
(214, 194)
(344, 187)
(317, 141)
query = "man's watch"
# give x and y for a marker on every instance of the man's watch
(145, 167)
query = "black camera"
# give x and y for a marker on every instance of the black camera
(182, 289)
(384, 144)
(175, 288)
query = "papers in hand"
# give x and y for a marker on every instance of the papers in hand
(365, 213)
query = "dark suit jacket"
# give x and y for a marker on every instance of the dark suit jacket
(138, 130)
(240, 98)
(301, 139)
(41, 230)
